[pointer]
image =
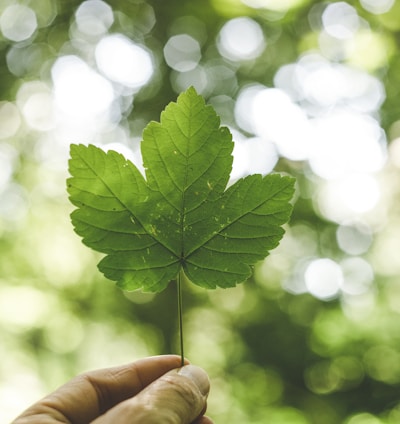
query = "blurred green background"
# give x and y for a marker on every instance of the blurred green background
(307, 87)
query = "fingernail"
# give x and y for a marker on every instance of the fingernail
(198, 376)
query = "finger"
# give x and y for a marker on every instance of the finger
(91, 394)
(178, 397)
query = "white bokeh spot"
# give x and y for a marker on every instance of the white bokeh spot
(123, 61)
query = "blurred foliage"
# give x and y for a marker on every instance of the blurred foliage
(288, 346)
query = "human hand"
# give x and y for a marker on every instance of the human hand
(153, 390)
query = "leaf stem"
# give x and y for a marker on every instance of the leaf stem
(179, 290)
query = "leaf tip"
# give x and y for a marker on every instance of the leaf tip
(192, 91)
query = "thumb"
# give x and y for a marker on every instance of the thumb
(177, 397)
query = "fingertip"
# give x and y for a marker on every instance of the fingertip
(198, 376)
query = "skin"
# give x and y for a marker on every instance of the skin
(151, 390)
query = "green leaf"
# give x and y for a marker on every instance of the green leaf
(181, 216)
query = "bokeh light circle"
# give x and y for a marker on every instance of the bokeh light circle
(94, 17)
(18, 22)
(323, 278)
(241, 39)
(182, 52)
(123, 61)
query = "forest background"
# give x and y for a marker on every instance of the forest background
(309, 88)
